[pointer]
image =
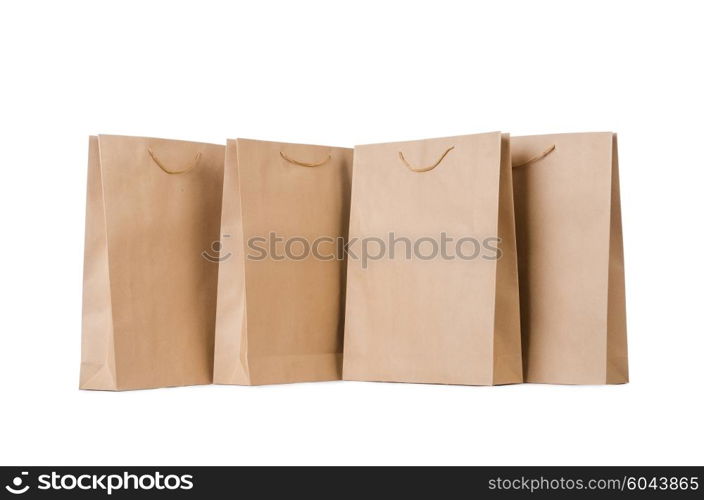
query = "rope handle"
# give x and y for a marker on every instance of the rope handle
(303, 163)
(193, 164)
(426, 168)
(536, 157)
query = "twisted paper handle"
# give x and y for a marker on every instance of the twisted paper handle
(303, 163)
(536, 157)
(173, 172)
(426, 168)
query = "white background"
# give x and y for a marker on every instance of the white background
(345, 74)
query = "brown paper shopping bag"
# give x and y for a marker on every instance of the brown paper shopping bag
(153, 206)
(432, 291)
(281, 283)
(570, 254)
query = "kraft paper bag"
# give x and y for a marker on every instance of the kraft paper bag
(431, 318)
(570, 255)
(153, 207)
(280, 312)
